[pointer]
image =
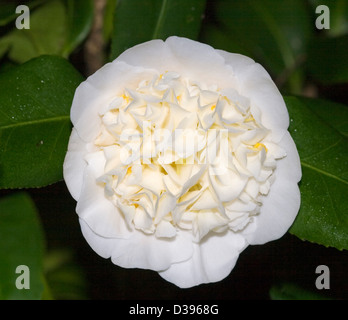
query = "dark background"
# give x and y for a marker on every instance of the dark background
(257, 270)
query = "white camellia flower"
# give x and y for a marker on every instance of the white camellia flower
(180, 158)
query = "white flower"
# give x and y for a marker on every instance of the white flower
(180, 158)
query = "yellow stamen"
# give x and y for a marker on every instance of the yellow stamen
(259, 146)
(228, 100)
(127, 98)
(251, 118)
(129, 170)
(213, 107)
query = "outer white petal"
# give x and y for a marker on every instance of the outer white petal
(196, 60)
(84, 111)
(140, 250)
(213, 259)
(74, 164)
(291, 168)
(238, 62)
(281, 205)
(103, 217)
(153, 54)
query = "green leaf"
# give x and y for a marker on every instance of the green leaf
(109, 19)
(327, 59)
(22, 243)
(56, 27)
(323, 216)
(291, 291)
(35, 100)
(8, 9)
(79, 23)
(4, 47)
(334, 114)
(64, 276)
(220, 39)
(275, 33)
(6, 65)
(46, 34)
(137, 21)
(7, 12)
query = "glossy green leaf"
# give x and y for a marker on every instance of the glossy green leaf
(8, 9)
(79, 23)
(46, 34)
(220, 39)
(327, 59)
(291, 291)
(275, 33)
(22, 243)
(4, 47)
(323, 216)
(56, 27)
(7, 12)
(109, 14)
(64, 276)
(35, 100)
(137, 21)
(6, 65)
(334, 114)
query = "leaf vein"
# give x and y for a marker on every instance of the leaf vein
(56, 141)
(323, 150)
(37, 121)
(323, 172)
